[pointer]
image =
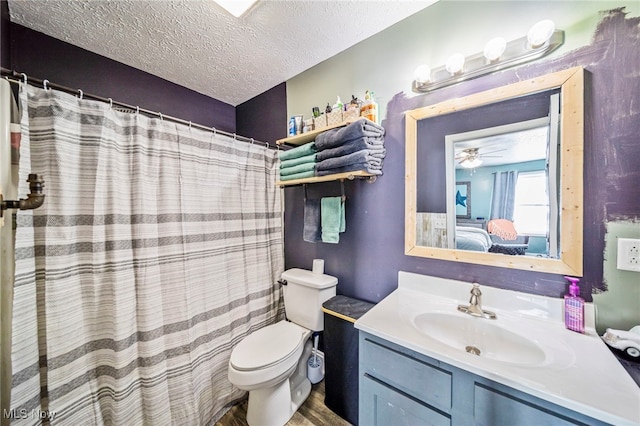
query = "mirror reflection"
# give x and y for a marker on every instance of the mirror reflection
(512, 172)
(495, 178)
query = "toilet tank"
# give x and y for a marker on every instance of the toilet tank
(304, 294)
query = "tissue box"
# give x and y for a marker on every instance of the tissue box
(334, 117)
(320, 122)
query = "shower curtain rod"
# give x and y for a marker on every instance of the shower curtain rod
(46, 85)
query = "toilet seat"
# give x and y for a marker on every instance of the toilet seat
(268, 346)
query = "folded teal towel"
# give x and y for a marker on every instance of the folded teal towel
(311, 158)
(300, 175)
(332, 219)
(300, 151)
(304, 167)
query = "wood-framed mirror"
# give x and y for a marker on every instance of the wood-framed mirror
(432, 228)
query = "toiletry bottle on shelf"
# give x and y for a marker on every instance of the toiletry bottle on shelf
(574, 307)
(292, 126)
(338, 106)
(369, 109)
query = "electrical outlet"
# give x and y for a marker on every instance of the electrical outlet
(628, 254)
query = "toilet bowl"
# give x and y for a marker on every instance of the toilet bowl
(271, 363)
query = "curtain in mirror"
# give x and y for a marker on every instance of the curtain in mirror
(504, 195)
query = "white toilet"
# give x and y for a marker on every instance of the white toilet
(271, 363)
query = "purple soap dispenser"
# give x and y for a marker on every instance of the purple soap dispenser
(574, 307)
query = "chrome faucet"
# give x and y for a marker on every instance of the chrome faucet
(475, 305)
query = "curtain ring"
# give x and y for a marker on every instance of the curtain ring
(160, 114)
(266, 144)
(137, 110)
(189, 124)
(235, 138)
(44, 84)
(110, 103)
(80, 93)
(251, 141)
(24, 76)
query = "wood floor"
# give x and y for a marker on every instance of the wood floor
(312, 413)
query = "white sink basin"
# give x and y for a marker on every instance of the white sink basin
(479, 337)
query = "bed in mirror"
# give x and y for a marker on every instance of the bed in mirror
(519, 150)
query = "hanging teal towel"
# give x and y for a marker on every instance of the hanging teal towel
(332, 220)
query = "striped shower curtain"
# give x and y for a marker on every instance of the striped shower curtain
(158, 248)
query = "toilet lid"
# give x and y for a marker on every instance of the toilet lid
(267, 346)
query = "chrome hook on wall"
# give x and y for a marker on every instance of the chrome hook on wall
(33, 200)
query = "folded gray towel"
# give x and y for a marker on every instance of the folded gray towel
(312, 231)
(361, 156)
(351, 168)
(376, 149)
(359, 128)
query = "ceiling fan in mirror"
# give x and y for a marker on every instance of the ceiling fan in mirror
(470, 158)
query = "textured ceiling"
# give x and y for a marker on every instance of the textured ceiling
(194, 43)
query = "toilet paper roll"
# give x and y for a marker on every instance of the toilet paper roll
(318, 266)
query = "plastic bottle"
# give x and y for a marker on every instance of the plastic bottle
(292, 126)
(338, 105)
(369, 108)
(574, 307)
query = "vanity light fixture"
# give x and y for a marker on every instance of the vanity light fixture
(542, 39)
(236, 7)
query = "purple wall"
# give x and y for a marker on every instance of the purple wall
(371, 251)
(5, 34)
(44, 57)
(264, 117)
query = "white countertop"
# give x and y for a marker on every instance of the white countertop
(579, 373)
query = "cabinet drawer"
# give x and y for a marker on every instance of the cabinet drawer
(421, 380)
(494, 408)
(385, 406)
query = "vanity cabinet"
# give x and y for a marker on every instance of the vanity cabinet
(401, 387)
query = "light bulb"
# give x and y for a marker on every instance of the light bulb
(494, 48)
(422, 74)
(540, 33)
(471, 164)
(455, 63)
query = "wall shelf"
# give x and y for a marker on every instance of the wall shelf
(309, 137)
(339, 176)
